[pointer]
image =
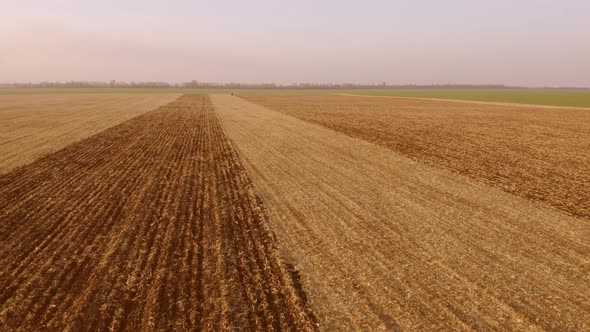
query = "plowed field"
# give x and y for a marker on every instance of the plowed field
(32, 126)
(540, 153)
(151, 224)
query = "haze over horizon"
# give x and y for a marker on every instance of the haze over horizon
(525, 43)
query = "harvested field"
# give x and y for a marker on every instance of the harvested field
(32, 126)
(538, 153)
(149, 225)
(550, 97)
(384, 242)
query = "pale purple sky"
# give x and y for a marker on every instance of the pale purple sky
(524, 42)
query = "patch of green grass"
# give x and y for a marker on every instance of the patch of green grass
(551, 97)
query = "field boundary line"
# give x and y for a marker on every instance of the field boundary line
(469, 101)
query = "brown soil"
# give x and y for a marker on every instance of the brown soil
(386, 243)
(535, 152)
(149, 225)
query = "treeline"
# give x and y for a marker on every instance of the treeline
(233, 85)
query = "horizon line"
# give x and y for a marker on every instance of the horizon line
(75, 84)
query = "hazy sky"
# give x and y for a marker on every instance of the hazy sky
(517, 42)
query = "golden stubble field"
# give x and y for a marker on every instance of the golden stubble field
(540, 153)
(386, 242)
(34, 125)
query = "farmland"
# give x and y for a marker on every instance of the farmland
(538, 153)
(151, 224)
(402, 246)
(547, 97)
(291, 211)
(36, 125)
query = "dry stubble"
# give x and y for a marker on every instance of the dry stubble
(32, 126)
(384, 242)
(540, 153)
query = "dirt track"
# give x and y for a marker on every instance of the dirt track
(32, 126)
(149, 225)
(385, 242)
(539, 153)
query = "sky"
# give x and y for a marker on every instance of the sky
(523, 43)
